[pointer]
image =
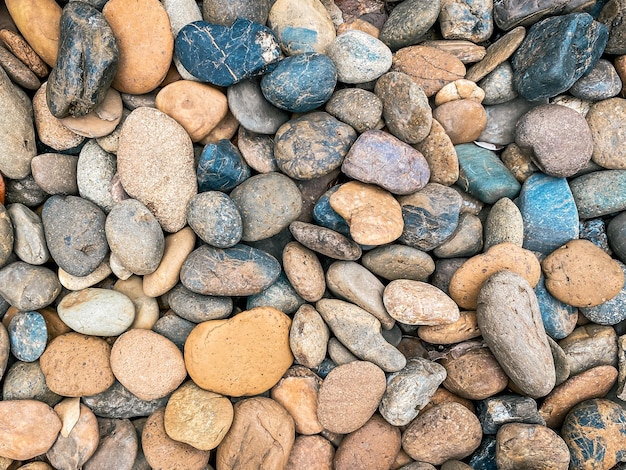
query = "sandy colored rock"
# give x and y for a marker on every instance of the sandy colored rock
(349, 396)
(261, 436)
(465, 328)
(419, 303)
(304, 271)
(225, 129)
(581, 274)
(16, 43)
(463, 120)
(466, 282)
(244, 355)
(147, 364)
(161, 451)
(55, 173)
(198, 107)
(146, 307)
(82, 282)
(466, 51)
(439, 152)
(50, 129)
(308, 337)
(18, 71)
(461, 89)
(311, 452)
(197, 417)
(373, 214)
(76, 365)
(497, 53)
(145, 46)
(101, 121)
(530, 446)
(297, 392)
(28, 428)
(75, 448)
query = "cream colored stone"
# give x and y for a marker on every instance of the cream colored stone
(77, 282)
(101, 121)
(146, 307)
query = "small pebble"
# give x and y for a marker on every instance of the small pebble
(308, 337)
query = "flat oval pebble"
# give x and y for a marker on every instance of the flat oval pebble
(463, 120)
(600, 83)
(28, 287)
(608, 137)
(308, 337)
(589, 346)
(30, 241)
(76, 365)
(245, 355)
(358, 108)
(349, 396)
(399, 262)
(94, 174)
(197, 307)
(581, 274)
(359, 57)
(55, 173)
(100, 122)
(117, 402)
(304, 271)
(419, 303)
(514, 439)
(409, 23)
(465, 328)
(252, 110)
(325, 241)
(214, 217)
(221, 167)
(28, 336)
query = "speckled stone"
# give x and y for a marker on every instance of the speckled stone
(463, 120)
(55, 173)
(214, 217)
(590, 346)
(599, 193)
(500, 51)
(308, 337)
(215, 11)
(28, 336)
(7, 235)
(29, 239)
(514, 440)
(460, 19)
(440, 155)
(311, 452)
(409, 22)
(575, 36)
(498, 85)
(612, 15)
(359, 57)
(252, 110)
(358, 108)
(504, 224)
(600, 83)
(17, 45)
(300, 83)
(608, 137)
(257, 150)
(28, 287)
(94, 174)
(197, 307)
(559, 319)
(616, 227)
(117, 402)
(501, 120)
(280, 295)
(25, 380)
(304, 271)
(325, 241)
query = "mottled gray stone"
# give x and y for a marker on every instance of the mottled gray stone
(466, 240)
(590, 346)
(25, 381)
(30, 241)
(118, 445)
(357, 107)
(224, 13)
(198, 308)
(504, 223)
(501, 121)
(280, 295)
(7, 236)
(498, 85)
(249, 106)
(466, 19)
(117, 402)
(359, 57)
(325, 241)
(214, 217)
(28, 287)
(94, 174)
(174, 328)
(25, 191)
(493, 412)
(308, 337)
(257, 150)
(409, 22)
(600, 83)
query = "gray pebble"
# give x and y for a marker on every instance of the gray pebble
(358, 108)
(498, 85)
(325, 241)
(359, 57)
(25, 191)
(7, 236)
(590, 346)
(409, 22)
(198, 308)
(30, 241)
(25, 381)
(28, 287)
(504, 224)
(280, 295)
(174, 328)
(252, 110)
(600, 83)
(117, 402)
(95, 172)
(466, 240)
(214, 217)
(399, 262)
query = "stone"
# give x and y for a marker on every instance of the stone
(607, 136)
(502, 119)
(161, 451)
(575, 36)
(25, 381)
(196, 106)
(17, 45)
(28, 287)
(117, 402)
(463, 120)
(311, 452)
(466, 51)
(349, 396)
(599, 193)
(75, 283)
(614, 230)
(410, 389)
(475, 163)
(75, 365)
(249, 46)
(590, 346)
(257, 150)
(466, 240)
(600, 83)
(360, 109)
(30, 428)
(94, 174)
(500, 51)
(496, 412)
(55, 173)
(197, 417)
(559, 318)
(485, 455)
(262, 435)
(360, 332)
(312, 145)
(308, 337)
(221, 167)
(7, 239)
(247, 354)
(410, 23)
(197, 308)
(434, 307)
(465, 328)
(325, 241)
(156, 166)
(518, 162)
(28, 336)
(595, 421)
(324, 215)
(573, 274)
(29, 239)
(460, 19)
(214, 217)
(252, 110)
(146, 308)
(51, 130)
(514, 440)
(359, 57)
(17, 71)
(498, 85)
(280, 295)
(85, 66)
(72, 449)
(461, 89)
(304, 271)
(145, 49)
(444, 432)
(339, 354)
(118, 445)
(174, 328)
(18, 132)
(217, 12)
(609, 312)
(439, 152)
(611, 16)
(430, 68)
(540, 195)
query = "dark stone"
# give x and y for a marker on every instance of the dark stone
(86, 64)
(559, 319)
(312, 190)
(616, 232)
(225, 55)
(252, 110)
(25, 191)
(25, 381)
(280, 295)
(408, 22)
(570, 44)
(74, 229)
(613, 16)
(28, 287)
(214, 217)
(599, 193)
(493, 412)
(198, 308)
(594, 230)
(326, 216)
(511, 13)
(275, 244)
(117, 402)
(610, 312)
(28, 335)
(221, 167)
(325, 241)
(117, 447)
(325, 367)
(7, 236)
(237, 271)
(174, 328)
(225, 13)
(300, 83)
(312, 145)
(484, 458)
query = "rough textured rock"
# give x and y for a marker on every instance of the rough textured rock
(359, 57)
(409, 22)
(418, 303)
(514, 441)
(325, 241)
(74, 447)
(28, 287)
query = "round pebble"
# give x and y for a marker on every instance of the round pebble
(463, 120)
(55, 173)
(399, 262)
(214, 217)
(358, 108)
(28, 287)
(514, 439)
(359, 57)
(28, 335)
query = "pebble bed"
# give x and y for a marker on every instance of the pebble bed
(312, 234)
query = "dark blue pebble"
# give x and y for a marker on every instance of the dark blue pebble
(493, 412)
(28, 336)
(326, 216)
(559, 319)
(324, 368)
(280, 295)
(221, 167)
(594, 230)
(484, 458)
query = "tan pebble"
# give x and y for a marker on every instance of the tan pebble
(297, 392)
(497, 53)
(120, 271)
(461, 89)
(101, 121)
(261, 436)
(146, 308)
(304, 271)
(28, 428)
(530, 446)
(466, 282)
(82, 282)
(403, 459)
(54, 324)
(244, 355)
(147, 364)
(161, 451)
(443, 395)
(177, 246)
(463, 120)
(17, 71)
(75, 448)
(197, 417)
(311, 452)
(374, 445)
(465, 328)
(455, 465)
(76, 365)
(349, 395)
(16, 43)
(373, 214)
(360, 25)
(439, 152)
(504, 224)
(338, 353)
(35, 466)
(466, 51)
(198, 107)
(308, 337)
(620, 66)
(145, 46)
(118, 445)
(225, 129)
(399, 262)
(581, 274)
(50, 129)
(519, 162)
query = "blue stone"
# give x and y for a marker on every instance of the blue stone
(570, 46)
(549, 213)
(484, 458)
(594, 230)
(326, 216)
(559, 319)
(300, 83)
(221, 167)
(28, 336)
(599, 193)
(494, 412)
(483, 175)
(610, 312)
(281, 295)
(225, 55)
(325, 367)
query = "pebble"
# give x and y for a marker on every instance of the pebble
(217, 12)
(338, 353)
(308, 337)
(609, 312)
(94, 174)
(465, 328)
(410, 389)
(28, 336)
(74, 448)
(498, 85)
(28, 287)
(360, 109)
(197, 308)
(24, 381)
(174, 328)
(311, 452)
(5, 349)
(257, 150)
(500, 51)
(607, 136)
(221, 167)
(466, 240)
(463, 120)
(304, 271)
(460, 19)
(349, 396)
(433, 308)
(502, 119)
(214, 217)
(8, 236)
(17, 45)
(599, 193)
(559, 319)
(280, 295)
(76, 365)
(590, 346)
(461, 89)
(439, 152)
(514, 440)
(249, 353)
(17, 71)
(504, 224)
(146, 308)
(495, 412)
(252, 110)
(268, 430)
(466, 51)
(325, 241)
(55, 173)
(409, 22)
(29, 240)
(117, 402)
(600, 83)
(359, 57)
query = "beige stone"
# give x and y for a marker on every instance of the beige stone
(50, 129)
(75, 448)
(311, 452)
(146, 307)
(530, 446)
(466, 51)
(16, 43)
(465, 328)
(308, 337)
(439, 152)
(82, 282)
(304, 271)
(463, 120)
(497, 53)
(101, 121)
(419, 303)
(225, 129)
(461, 89)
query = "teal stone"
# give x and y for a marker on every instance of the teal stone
(595, 231)
(559, 319)
(28, 336)
(483, 175)
(326, 216)
(549, 213)
(221, 167)
(280, 295)
(599, 193)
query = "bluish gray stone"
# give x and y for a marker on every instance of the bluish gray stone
(214, 217)
(198, 308)
(300, 83)
(118, 402)
(599, 193)
(470, 20)
(174, 328)
(594, 230)
(502, 119)
(280, 295)
(616, 232)
(610, 312)
(570, 45)
(28, 335)
(493, 412)
(600, 83)
(221, 167)
(225, 55)
(549, 213)
(326, 216)
(252, 110)
(408, 22)
(24, 381)
(484, 458)
(359, 57)
(511, 13)
(7, 236)
(483, 175)
(559, 319)
(498, 85)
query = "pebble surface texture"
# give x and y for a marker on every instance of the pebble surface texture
(312, 234)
